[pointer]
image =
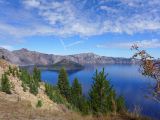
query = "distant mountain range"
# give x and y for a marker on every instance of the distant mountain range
(24, 57)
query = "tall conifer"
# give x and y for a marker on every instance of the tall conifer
(63, 84)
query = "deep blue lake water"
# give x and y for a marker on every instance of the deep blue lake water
(126, 80)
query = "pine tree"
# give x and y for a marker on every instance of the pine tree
(49, 90)
(101, 95)
(31, 81)
(63, 84)
(24, 76)
(76, 93)
(33, 86)
(76, 88)
(120, 103)
(37, 74)
(5, 84)
(78, 100)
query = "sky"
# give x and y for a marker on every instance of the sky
(103, 27)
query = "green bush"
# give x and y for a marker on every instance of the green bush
(30, 81)
(39, 104)
(24, 86)
(33, 85)
(5, 84)
(54, 94)
(120, 104)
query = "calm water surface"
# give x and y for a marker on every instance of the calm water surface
(126, 80)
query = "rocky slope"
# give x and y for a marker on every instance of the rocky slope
(26, 57)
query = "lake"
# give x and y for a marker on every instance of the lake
(126, 80)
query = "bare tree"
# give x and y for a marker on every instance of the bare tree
(148, 65)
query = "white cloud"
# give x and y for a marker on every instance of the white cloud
(71, 21)
(8, 47)
(69, 17)
(21, 32)
(154, 43)
(108, 9)
(32, 3)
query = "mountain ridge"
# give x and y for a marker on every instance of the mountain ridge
(24, 57)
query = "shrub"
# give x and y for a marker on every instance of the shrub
(5, 84)
(39, 104)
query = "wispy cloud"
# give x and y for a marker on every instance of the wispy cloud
(130, 16)
(63, 44)
(66, 46)
(74, 43)
(154, 43)
(81, 18)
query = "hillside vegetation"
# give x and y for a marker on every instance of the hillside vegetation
(25, 97)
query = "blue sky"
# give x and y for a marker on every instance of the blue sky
(105, 27)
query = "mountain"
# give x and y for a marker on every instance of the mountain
(24, 57)
(68, 65)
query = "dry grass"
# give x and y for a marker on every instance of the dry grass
(23, 110)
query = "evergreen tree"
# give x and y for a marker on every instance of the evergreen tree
(37, 74)
(33, 86)
(54, 94)
(10, 69)
(31, 81)
(49, 90)
(5, 84)
(76, 93)
(63, 84)
(78, 100)
(101, 95)
(120, 103)
(76, 88)
(83, 105)
(24, 76)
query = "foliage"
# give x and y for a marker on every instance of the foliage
(24, 87)
(37, 74)
(5, 84)
(102, 97)
(148, 65)
(33, 85)
(77, 99)
(30, 81)
(54, 94)
(39, 104)
(63, 84)
(120, 103)
(25, 77)
(13, 71)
